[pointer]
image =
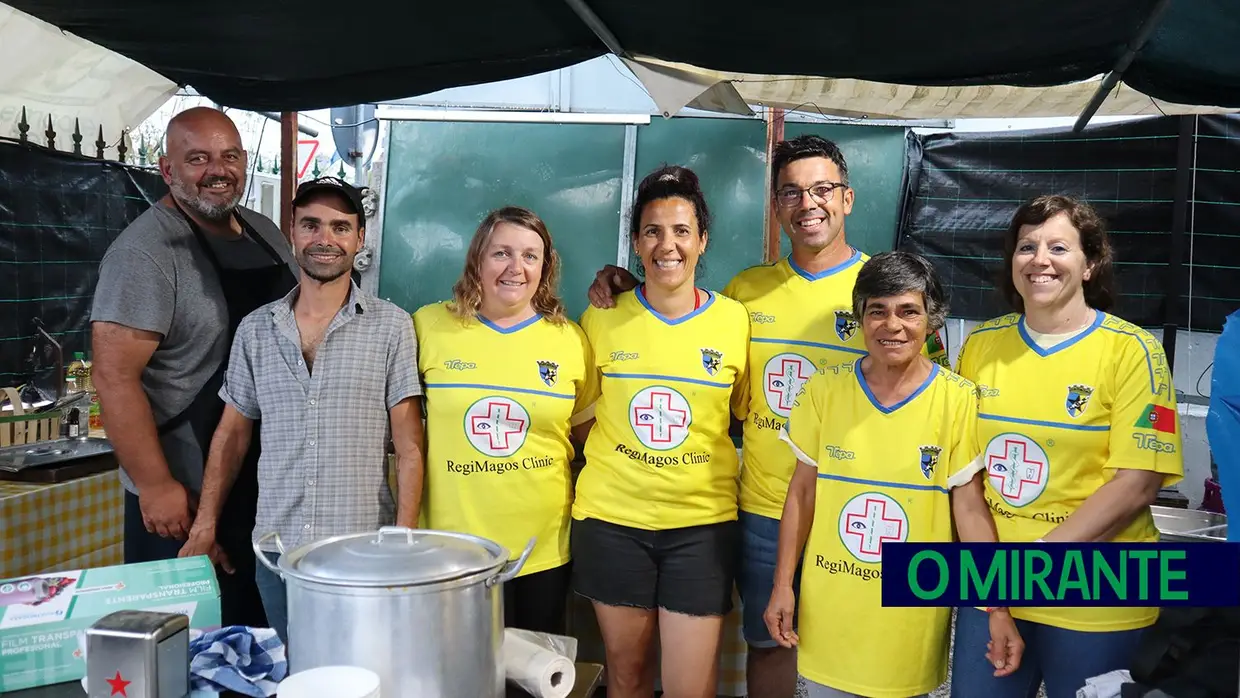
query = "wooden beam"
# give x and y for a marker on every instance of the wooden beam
(774, 134)
(288, 170)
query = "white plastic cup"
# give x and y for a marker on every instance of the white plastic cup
(331, 682)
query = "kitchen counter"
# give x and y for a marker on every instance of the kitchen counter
(588, 678)
(74, 524)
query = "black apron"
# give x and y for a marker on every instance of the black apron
(245, 290)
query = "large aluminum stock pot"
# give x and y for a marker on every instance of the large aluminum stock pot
(422, 609)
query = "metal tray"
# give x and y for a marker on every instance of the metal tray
(15, 459)
(1190, 525)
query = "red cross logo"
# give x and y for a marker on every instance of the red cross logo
(118, 685)
(872, 526)
(785, 376)
(659, 417)
(1013, 468)
(497, 425)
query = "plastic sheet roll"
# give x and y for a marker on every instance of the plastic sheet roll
(539, 671)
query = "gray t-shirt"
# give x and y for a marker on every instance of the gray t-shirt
(156, 277)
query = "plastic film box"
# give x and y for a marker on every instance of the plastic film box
(42, 616)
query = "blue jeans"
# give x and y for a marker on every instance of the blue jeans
(756, 577)
(1064, 659)
(275, 599)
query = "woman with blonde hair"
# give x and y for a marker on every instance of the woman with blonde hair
(507, 375)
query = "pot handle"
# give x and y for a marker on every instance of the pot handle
(262, 557)
(510, 570)
(396, 531)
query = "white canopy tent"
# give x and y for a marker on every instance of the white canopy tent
(49, 72)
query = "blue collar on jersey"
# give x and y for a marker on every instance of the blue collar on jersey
(856, 257)
(1024, 334)
(934, 371)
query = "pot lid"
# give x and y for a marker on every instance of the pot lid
(397, 556)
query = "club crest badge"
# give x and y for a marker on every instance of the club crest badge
(549, 372)
(845, 325)
(711, 361)
(1078, 399)
(929, 460)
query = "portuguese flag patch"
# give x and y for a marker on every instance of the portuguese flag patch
(1158, 418)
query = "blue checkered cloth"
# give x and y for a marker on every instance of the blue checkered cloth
(250, 661)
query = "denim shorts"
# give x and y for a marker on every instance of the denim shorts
(687, 570)
(756, 578)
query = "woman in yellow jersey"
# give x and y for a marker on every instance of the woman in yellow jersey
(1079, 431)
(506, 375)
(886, 452)
(655, 533)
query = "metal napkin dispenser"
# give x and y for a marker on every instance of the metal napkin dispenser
(138, 654)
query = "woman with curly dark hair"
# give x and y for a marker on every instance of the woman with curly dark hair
(1079, 429)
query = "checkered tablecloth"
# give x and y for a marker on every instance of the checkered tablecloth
(74, 524)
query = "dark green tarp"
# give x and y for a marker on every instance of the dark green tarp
(277, 55)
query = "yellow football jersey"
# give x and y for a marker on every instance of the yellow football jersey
(659, 455)
(1055, 425)
(499, 403)
(800, 322)
(884, 475)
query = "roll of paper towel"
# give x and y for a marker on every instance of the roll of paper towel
(539, 671)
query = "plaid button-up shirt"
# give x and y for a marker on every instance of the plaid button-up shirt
(323, 467)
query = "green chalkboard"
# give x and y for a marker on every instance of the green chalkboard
(443, 178)
(875, 157)
(729, 158)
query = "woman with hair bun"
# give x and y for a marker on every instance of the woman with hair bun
(506, 376)
(655, 535)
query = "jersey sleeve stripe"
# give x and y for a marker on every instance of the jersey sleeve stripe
(965, 474)
(674, 379)
(1041, 423)
(1149, 362)
(796, 450)
(500, 388)
(805, 343)
(883, 483)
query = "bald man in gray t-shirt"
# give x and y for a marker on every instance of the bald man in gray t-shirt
(155, 278)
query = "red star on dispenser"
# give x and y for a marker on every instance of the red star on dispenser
(118, 684)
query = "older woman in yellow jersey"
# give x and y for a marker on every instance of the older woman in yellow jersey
(506, 375)
(655, 528)
(887, 452)
(1079, 431)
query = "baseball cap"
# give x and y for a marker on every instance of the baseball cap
(351, 194)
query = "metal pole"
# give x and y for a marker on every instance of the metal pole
(1172, 295)
(358, 146)
(591, 20)
(1112, 79)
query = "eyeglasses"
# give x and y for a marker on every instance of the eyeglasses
(822, 193)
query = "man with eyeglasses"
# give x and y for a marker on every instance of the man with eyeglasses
(800, 320)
